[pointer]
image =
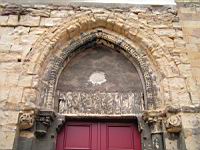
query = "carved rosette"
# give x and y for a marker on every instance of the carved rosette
(26, 120)
(173, 124)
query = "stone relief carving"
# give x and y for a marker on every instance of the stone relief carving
(26, 120)
(100, 103)
(173, 124)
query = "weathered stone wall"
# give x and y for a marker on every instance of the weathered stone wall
(190, 23)
(169, 36)
(189, 14)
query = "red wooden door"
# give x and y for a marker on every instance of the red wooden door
(98, 136)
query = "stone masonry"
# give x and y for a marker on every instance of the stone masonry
(167, 38)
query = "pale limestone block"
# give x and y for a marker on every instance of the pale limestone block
(177, 83)
(25, 81)
(27, 20)
(180, 97)
(132, 16)
(21, 30)
(12, 79)
(3, 78)
(28, 39)
(164, 86)
(196, 74)
(13, 20)
(8, 117)
(61, 13)
(187, 10)
(49, 22)
(73, 30)
(11, 67)
(15, 95)
(20, 48)
(7, 30)
(29, 95)
(191, 24)
(179, 33)
(185, 70)
(159, 26)
(184, 58)
(165, 32)
(194, 59)
(3, 20)
(193, 39)
(192, 47)
(7, 140)
(138, 10)
(179, 42)
(192, 87)
(177, 25)
(4, 93)
(37, 30)
(26, 50)
(8, 39)
(5, 47)
(168, 41)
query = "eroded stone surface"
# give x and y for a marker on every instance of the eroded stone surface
(170, 41)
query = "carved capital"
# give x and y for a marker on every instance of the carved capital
(43, 122)
(155, 118)
(26, 120)
(173, 124)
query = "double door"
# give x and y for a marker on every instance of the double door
(99, 136)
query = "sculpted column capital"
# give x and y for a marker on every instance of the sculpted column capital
(26, 119)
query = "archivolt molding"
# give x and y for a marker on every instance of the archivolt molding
(74, 26)
(56, 64)
(138, 40)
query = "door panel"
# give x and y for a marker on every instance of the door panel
(99, 136)
(80, 136)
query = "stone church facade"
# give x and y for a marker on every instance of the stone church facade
(131, 62)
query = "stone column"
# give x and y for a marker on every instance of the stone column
(154, 119)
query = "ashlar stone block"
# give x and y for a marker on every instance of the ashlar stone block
(13, 20)
(165, 32)
(49, 22)
(3, 20)
(27, 20)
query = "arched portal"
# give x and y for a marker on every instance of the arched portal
(103, 37)
(146, 51)
(100, 81)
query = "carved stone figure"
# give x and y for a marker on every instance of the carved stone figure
(26, 120)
